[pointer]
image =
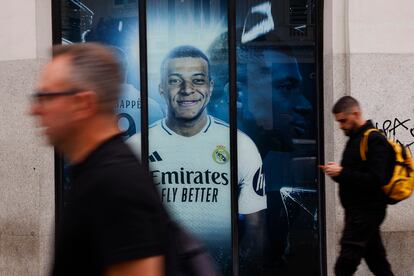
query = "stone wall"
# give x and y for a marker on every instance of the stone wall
(26, 164)
(369, 55)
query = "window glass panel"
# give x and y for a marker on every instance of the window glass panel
(99, 21)
(276, 87)
(189, 136)
(189, 150)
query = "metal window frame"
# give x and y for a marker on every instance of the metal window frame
(231, 27)
(143, 60)
(320, 135)
(58, 158)
(231, 9)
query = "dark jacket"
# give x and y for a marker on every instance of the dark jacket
(360, 182)
(113, 213)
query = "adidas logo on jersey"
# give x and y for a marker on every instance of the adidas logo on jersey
(154, 157)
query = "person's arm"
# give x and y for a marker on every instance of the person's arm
(252, 241)
(377, 168)
(254, 230)
(252, 195)
(252, 205)
(152, 266)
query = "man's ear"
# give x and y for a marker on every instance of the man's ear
(161, 89)
(211, 87)
(85, 104)
(226, 88)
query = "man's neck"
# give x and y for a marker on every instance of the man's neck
(187, 128)
(357, 127)
(361, 123)
(88, 137)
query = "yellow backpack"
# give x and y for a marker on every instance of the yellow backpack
(401, 184)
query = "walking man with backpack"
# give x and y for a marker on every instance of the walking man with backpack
(360, 190)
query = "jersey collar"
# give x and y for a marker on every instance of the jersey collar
(171, 132)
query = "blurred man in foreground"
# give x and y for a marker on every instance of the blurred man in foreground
(114, 221)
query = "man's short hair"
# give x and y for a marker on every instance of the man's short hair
(345, 104)
(183, 52)
(94, 67)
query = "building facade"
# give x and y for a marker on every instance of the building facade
(367, 53)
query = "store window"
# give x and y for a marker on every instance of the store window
(273, 225)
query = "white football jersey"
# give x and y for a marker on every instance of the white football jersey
(193, 176)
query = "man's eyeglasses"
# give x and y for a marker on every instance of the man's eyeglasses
(41, 96)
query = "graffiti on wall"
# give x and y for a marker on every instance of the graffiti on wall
(400, 130)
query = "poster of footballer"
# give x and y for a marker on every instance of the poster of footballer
(189, 148)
